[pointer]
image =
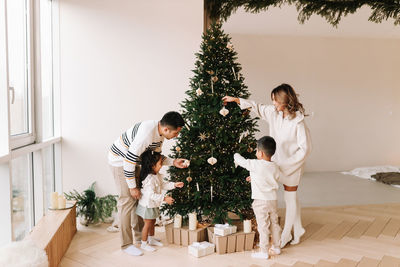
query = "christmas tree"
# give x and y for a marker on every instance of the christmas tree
(214, 186)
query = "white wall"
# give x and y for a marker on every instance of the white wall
(352, 86)
(122, 61)
(125, 61)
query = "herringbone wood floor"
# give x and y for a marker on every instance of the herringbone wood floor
(366, 235)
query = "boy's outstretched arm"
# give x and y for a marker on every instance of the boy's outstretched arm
(248, 164)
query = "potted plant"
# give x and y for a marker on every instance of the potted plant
(90, 208)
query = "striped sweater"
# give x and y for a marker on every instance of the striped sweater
(126, 150)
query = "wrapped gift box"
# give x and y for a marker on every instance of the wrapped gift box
(183, 236)
(224, 229)
(236, 242)
(201, 249)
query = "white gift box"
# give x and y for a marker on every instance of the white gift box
(224, 229)
(201, 249)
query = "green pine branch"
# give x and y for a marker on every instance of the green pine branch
(331, 10)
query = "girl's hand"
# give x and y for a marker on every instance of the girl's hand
(180, 163)
(226, 99)
(169, 200)
(179, 184)
(248, 179)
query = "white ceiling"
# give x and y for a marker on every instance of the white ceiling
(283, 21)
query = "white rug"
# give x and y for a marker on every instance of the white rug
(23, 254)
(367, 172)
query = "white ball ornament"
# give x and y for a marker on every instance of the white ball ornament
(199, 92)
(212, 161)
(224, 111)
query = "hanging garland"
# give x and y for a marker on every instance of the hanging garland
(331, 10)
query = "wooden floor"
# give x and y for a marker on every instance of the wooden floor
(365, 235)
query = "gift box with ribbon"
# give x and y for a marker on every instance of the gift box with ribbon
(224, 229)
(201, 249)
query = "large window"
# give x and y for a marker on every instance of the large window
(19, 71)
(29, 143)
(22, 212)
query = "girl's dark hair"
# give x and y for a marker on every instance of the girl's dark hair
(148, 159)
(287, 96)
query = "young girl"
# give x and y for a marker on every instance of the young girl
(286, 125)
(153, 194)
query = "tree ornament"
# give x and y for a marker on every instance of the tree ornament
(246, 112)
(234, 73)
(211, 72)
(250, 149)
(177, 149)
(243, 135)
(197, 185)
(202, 136)
(214, 79)
(199, 92)
(189, 179)
(212, 161)
(224, 111)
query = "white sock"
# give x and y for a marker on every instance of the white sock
(290, 200)
(275, 250)
(154, 238)
(132, 250)
(298, 230)
(152, 241)
(146, 246)
(260, 255)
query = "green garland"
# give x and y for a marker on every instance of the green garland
(331, 10)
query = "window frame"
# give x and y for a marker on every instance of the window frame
(20, 140)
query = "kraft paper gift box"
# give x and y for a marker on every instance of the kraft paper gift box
(236, 242)
(169, 232)
(224, 229)
(183, 236)
(201, 249)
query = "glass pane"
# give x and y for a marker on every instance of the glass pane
(17, 66)
(47, 67)
(21, 197)
(48, 162)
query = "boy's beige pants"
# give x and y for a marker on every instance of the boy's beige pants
(267, 218)
(128, 220)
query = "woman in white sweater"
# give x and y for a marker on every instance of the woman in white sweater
(287, 126)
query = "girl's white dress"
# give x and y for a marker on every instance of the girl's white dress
(153, 191)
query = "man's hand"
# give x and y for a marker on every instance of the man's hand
(169, 200)
(180, 163)
(135, 193)
(248, 179)
(227, 99)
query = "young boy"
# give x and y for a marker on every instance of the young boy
(263, 177)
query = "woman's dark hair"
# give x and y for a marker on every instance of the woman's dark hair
(148, 159)
(286, 95)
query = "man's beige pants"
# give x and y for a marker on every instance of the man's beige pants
(267, 217)
(128, 220)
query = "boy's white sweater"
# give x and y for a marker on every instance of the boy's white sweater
(264, 175)
(292, 137)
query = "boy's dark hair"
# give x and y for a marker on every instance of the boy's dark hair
(267, 145)
(148, 160)
(172, 120)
